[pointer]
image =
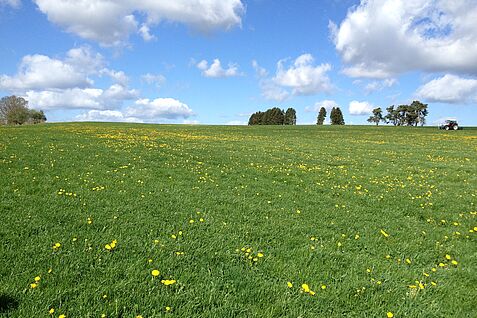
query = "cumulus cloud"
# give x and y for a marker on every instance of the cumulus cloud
(449, 89)
(159, 108)
(302, 77)
(216, 70)
(79, 98)
(379, 85)
(360, 108)
(327, 104)
(106, 116)
(111, 22)
(379, 39)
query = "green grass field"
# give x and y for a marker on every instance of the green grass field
(292, 221)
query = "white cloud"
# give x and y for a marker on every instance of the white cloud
(260, 71)
(145, 33)
(111, 22)
(236, 123)
(43, 72)
(449, 89)
(360, 108)
(327, 104)
(156, 79)
(106, 116)
(159, 108)
(216, 70)
(379, 85)
(378, 39)
(303, 77)
(78, 98)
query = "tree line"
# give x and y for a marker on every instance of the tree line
(273, 116)
(402, 115)
(14, 111)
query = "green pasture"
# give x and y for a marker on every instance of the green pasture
(262, 221)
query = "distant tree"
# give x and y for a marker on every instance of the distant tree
(14, 110)
(256, 118)
(273, 116)
(290, 117)
(377, 116)
(321, 116)
(392, 116)
(420, 111)
(336, 116)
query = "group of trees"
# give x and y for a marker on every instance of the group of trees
(336, 116)
(403, 115)
(14, 111)
(273, 116)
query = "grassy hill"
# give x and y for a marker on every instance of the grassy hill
(292, 221)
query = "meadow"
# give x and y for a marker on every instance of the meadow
(130, 220)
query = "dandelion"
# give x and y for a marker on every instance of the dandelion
(448, 257)
(323, 287)
(384, 233)
(454, 262)
(61, 316)
(201, 220)
(168, 282)
(289, 285)
(305, 288)
(37, 279)
(191, 221)
(56, 246)
(260, 254)
(51, 311)
(33, 285)
(389, 314)
(155, 272)
(168, 308)
(108, 247)
(408, 261)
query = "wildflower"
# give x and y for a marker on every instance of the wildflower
(201, 220)
(56, 246)
(168, 308)
(155, 272)
(448, 257)
(289, 284)
(323, 287)
(433, 283)
(305, 288)
(173, 236)
(389, 314)
(50, 270)
(108, 247)
(37, 279)
(454, 262)
(191, 221)
(384, 233)
(408, 261)
(33, 285)
(61, 316)
(51, 311)
(260, 254)
(168, 282)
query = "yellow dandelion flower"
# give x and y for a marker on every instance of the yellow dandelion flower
(289, 284)
(37, 279)
(448, 257)
(51, 311)
(260, 254)
(61, 316)
(312, 293)
(389, 314)
(50, 270)
(454, 262)
(433, 283)
(191, 221)
(155, 272)
(33, 285)
(138, 316)
(201, 220)
(168, 308)
(108, 247)
(168, 282)
(408, 261)
(305, 288)
(173, 236)
(384, 233)
(323, 287)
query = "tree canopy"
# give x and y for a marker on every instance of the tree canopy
(14, 111)
(273, 116)
(321, 116)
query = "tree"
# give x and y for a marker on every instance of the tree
(377, 116)
(256, 118)
(36, 116)
(290, 117)
(321, 116)
(392, 116)
(336, 116)
(421, 112)
(14, 110)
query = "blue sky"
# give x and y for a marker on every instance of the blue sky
(218, 61)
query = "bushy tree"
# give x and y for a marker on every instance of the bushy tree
(14, 111)
(407, 115)
(377, 116)
(290, 117)
(392, 116)
(336, 116)
(321, 116)
(272, 116)
(421, 112)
